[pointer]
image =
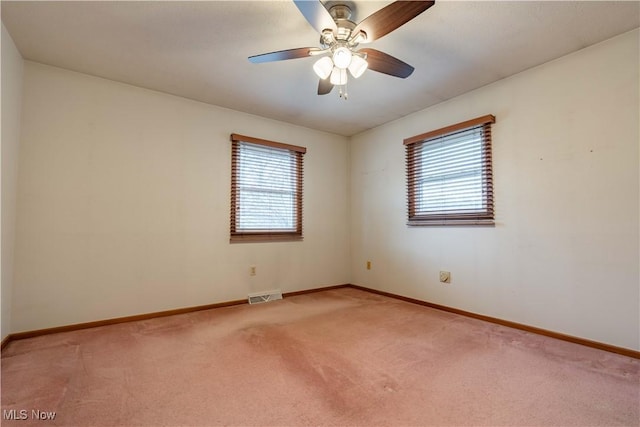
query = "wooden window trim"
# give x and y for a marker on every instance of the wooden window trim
(485, 218)
(243, 138)
(450, 129)
(265, 236)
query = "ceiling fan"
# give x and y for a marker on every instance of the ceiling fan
(340, 37)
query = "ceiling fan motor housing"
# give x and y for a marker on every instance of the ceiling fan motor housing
(341, 14)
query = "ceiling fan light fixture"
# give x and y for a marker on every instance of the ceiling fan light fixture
(342, 57)
(323, 67)
(358, 66)
(338, 76)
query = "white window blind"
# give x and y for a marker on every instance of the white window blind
(449, 175)
(266, 190)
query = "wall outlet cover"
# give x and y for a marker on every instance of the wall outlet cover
(445, 277)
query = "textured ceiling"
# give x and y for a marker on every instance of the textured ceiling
(199, 50)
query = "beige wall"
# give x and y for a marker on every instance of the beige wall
(124, 204)
(564, 252)
(11, 70)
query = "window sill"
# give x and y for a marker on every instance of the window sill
(451, 222)
(262, 238)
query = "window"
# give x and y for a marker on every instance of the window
(449, 175)
(266, 190)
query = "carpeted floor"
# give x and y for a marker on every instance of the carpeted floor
(340, 357)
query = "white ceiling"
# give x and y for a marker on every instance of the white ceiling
(199, 50)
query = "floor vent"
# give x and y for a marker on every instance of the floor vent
(267, 296)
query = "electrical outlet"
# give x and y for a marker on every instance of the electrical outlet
(368, 265)
(445, 277)
(252, 270)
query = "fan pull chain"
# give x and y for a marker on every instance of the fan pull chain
(344, 95)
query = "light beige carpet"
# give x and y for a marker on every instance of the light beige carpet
(340, 357)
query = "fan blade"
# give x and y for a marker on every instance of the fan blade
(324, 86)
(389, 18)
(387, 64)
(301, 52)
(317, 15)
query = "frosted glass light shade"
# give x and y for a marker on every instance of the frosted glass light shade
(358, 66)
(323, 67)
(342, 57)
(338, 76)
